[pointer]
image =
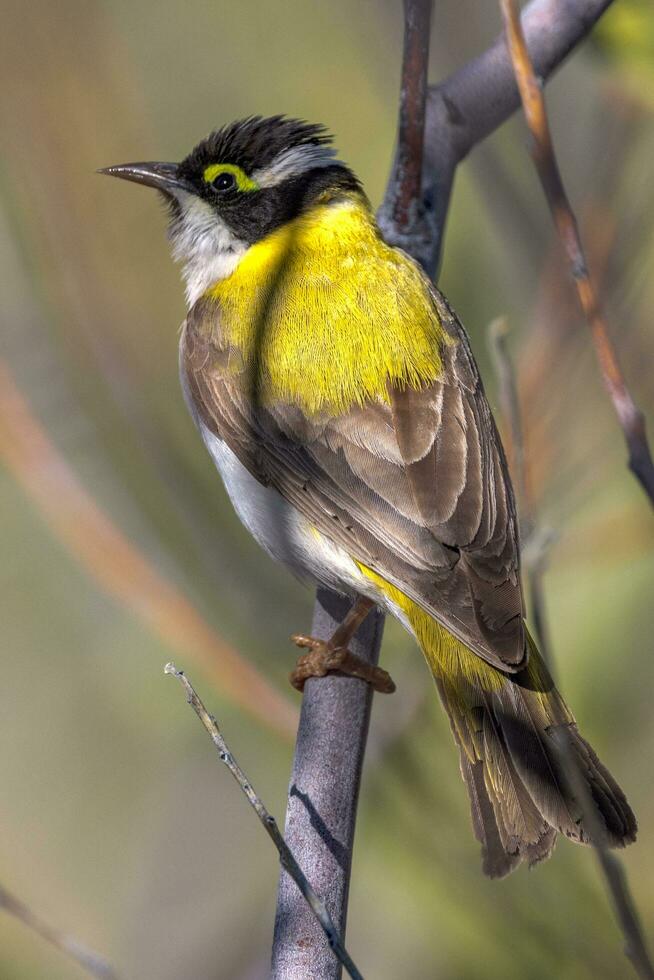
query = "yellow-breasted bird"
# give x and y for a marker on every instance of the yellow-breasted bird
(336, 391)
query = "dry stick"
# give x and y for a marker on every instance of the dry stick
(536, 541)
(629, 415)
(611, 867)
(614, 874)
(333, 730)
(84, 956)
(630, 418)
(269, 823)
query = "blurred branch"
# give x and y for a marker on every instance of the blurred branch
(633, 425)
(614, 874)
(613, 871)
(315, 903)
(611, 867)
(87, 959)
(118, 567)
(535, 542)
(471, 103)
(629, 415)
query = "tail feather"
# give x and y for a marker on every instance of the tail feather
(515, 769)
(496, 860)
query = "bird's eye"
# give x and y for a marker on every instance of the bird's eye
(223, 182)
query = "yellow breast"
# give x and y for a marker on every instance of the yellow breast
(325, 313)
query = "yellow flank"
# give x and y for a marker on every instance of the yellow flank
(448, 658)
(243, 182)
(462, 672)
(326, 313)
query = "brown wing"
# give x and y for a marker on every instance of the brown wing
(416, 489)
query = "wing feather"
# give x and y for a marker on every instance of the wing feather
(415, 486)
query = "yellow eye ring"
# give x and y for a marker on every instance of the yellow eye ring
(241, 179)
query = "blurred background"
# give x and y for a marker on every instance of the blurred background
(120, 551)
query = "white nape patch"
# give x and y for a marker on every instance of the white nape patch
(205, 245)
(293, 161)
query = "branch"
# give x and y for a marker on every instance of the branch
(331, 739)
(535, 542)
(323, 797)
(629, 415)
(85, 957)
(403, 218)
(472, 102)
(269, 824)
(614, 873)
(610, 866)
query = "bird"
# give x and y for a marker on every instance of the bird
(337, 393)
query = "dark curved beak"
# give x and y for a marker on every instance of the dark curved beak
(163, 176)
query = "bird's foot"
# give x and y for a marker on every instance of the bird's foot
(323, 658)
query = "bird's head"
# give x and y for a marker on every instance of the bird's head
(237, 186)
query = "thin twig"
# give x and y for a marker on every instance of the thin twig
(612, 869)
(498, 331)
(536, 541)
(614, 874)
(85, 957)
(629, 415)
(268, 822)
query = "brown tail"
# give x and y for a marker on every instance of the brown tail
(516, 769)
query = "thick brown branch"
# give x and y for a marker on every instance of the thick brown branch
(629, 415)
(402, 217)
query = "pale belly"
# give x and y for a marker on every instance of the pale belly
(280, 529)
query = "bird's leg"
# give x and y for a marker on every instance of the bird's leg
(333, 654)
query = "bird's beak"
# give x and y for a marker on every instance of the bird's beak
(163, 176)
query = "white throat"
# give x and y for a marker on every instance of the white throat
(204, 244)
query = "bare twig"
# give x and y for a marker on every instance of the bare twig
(535, 540)
(498, 331)
(286, 857)
(613, 871)
(611, 867)
(614, 874)
(629, 415)
(85, 957)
